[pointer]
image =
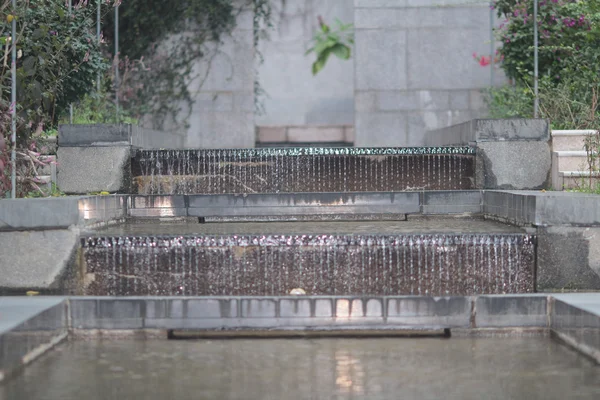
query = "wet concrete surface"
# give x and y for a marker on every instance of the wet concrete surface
(455, 368)
(420, 225)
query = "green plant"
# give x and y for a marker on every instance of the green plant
(53, 191)
(327, 42)
(98, 108)
(509, 102)
(58, 58)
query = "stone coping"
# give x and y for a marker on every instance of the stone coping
(490, 130)
(84, 135)
(30, 326)
(525, 208)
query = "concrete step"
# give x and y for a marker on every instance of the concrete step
(569, 160)
(571, 140)
(577, 180)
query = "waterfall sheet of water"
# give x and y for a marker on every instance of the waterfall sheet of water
(272, 265)
(294, 170)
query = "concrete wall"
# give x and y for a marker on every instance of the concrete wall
(293, 95)
(414, 67)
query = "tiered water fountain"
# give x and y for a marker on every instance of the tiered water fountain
(380, 242)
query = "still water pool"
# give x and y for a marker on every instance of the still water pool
(394, 368)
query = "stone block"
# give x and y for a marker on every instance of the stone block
(94, 169)
(386, 66)
(43, 260)
(513, 165)
(568, 258)
(511, 311)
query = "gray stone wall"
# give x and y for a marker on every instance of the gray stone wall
(293, 95)
(414, 69)
(222, 115)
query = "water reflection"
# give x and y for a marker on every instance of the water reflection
(349, 373)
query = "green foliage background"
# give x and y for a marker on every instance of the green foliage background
(569, 62)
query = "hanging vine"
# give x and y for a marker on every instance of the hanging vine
(161, 43)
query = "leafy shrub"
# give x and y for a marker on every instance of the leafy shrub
(58, 60)
(569, 56)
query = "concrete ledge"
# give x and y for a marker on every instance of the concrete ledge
(60, 212)
(490, 130)
(509, 311)
(304, 204)
(82, 135)
(33, 325)
(578, 325)
(47, 213)
(28, 328)
(543, 208)
(94, 134)
(268, 312)
(451, 202)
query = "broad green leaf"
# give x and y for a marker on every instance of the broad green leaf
(320, 63)
(341, 51)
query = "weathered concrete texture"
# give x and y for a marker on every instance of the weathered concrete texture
(513, 165)
(35, 259)
(402, 91)
(568, 258)
(83, 170)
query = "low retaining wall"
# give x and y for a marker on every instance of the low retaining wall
(30, 326)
